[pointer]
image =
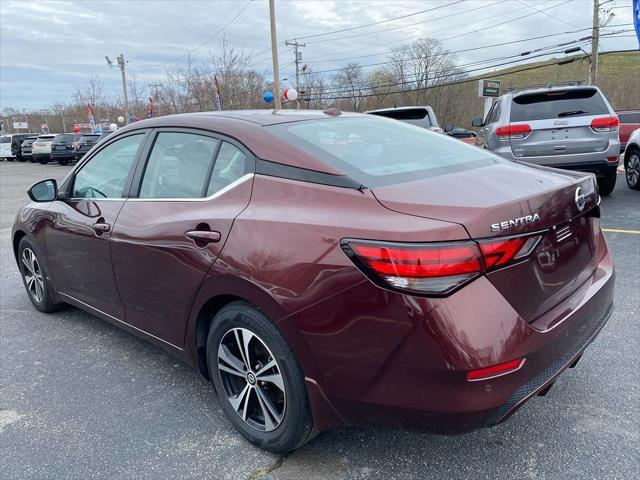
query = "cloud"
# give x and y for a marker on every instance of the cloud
(48, 47)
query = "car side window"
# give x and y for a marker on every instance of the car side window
(494, 114)
(178, 166)
(105, 175)
(230, 166)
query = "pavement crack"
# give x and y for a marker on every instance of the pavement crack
(266, 471)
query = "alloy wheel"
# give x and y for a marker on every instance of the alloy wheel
(633, 169)
(33, 275)
(252, 379)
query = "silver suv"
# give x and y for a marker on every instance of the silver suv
(422, 116)
(571, 127)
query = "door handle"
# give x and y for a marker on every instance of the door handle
(101, 227)
(206, 236)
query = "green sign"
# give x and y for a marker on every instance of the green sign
(488, 88)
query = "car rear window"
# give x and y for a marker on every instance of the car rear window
(28, 142)
(377, 152)
(629, 117)
(5, 139)
(89, 138)
(407, 115)
(66, 138)
(557, 104)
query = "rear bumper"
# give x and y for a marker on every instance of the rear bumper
(410, 371)
(63, 156)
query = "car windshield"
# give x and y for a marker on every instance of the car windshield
(376, 151)
(557, 104)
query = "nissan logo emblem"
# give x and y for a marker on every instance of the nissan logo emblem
(580, 199)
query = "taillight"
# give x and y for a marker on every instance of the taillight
(605, 124)
(519, 130)
(499, 252)
(435, 268)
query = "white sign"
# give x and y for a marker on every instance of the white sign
(20, 125)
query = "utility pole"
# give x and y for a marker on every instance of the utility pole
(593, 71)
(298, 59)
(274, 54)
(122, 64)
(156, 96)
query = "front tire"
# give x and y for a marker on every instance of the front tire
(632, 169)
(607, 183)
(258, 379)
(34, 277)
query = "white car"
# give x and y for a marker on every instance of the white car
(41, 148)
(5, 147)
(632, 160)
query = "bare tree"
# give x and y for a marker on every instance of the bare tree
(348, 84)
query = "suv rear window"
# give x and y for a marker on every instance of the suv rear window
(375, 152)
(66, 138)
(5, 139)
(89, 138)
(407, 114)
(557, 104)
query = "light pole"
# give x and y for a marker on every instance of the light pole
(122, 64)
(274, 54)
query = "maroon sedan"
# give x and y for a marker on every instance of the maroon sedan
(326, 269)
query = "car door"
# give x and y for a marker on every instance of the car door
(77, 241)
(168, 235)
(491, 141)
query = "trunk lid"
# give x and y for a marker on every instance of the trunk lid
(509, 199)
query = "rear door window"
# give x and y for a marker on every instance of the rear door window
(179, 166)
(557, 104)
(231, 165)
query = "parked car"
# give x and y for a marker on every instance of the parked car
(41, 148)
(325, 269)
(423, 117)
(87, 141)
(632, 160)
(10, 146)
(629, 121)
(25, 148)
(570, 127)
(467, 136)
(5, 148)
(61, 148)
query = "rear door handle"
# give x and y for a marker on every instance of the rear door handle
(101, 227)
(207, 236)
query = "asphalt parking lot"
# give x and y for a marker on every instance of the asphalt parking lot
(81, 399)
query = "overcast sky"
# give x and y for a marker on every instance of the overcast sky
(48, 47)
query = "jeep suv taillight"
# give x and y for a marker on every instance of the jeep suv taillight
(435, 269)
(518, 130)
(605, 124)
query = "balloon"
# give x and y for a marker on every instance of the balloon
(113, 127)
(290, 94)
(268, 97)
(120, 119)
(76, 129)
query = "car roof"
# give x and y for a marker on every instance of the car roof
(271, 117)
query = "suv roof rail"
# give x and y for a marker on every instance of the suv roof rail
(572, 83)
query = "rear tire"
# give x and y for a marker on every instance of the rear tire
(632, 168)
(35, 278)
(22, 159)
(44, 161)
(272, 413)
(607, 183)
(32, 160)
(63, 162)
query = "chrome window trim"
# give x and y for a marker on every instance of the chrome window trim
(224, 190)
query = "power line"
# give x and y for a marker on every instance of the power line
(458, 82)
(380, 22)
(202, 44)
(548, 14)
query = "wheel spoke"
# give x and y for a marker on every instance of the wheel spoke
(230, 359)
(275, 378)
(26, 260)
(39, 291)
(240, 342)
(267, 405)
(272, 363)
(237, 400)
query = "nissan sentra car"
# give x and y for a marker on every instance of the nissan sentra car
(327, 269)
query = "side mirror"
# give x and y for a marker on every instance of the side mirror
(44, 191)
(477, 122)
(448, 127)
